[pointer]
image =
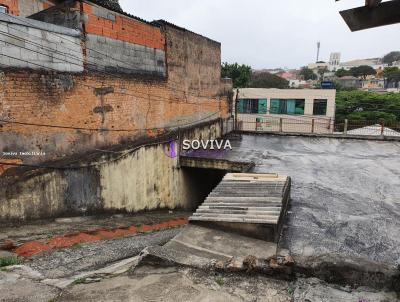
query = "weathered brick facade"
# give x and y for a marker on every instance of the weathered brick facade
(175, 80)
(26, 7)
(12, 6)
(116, 26)
(70, 101)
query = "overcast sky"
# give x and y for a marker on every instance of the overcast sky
(269, 34)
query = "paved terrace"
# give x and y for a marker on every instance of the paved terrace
(345, 195)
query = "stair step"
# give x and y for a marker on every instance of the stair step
(247, 216)
(242, 208)
(245, 199)
(236, 220)
(241, 212)
(246, 205)
(244, 194)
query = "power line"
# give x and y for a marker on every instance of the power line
(123, 154)
(94, 50)
(109, 130)
(72, 63)
(96, 129)
(147, 96)
(63, 38)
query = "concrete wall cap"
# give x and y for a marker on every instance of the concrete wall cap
(39, 25)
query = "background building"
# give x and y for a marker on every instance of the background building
(286, 110)
(375, 63)
(334, 61)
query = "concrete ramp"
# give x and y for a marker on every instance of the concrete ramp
(252, 205)
(200, 247)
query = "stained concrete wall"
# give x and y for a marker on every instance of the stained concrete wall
(144, 179)
(123, 57)
(194, 61)
(37, 45)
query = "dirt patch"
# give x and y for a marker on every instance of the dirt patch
(32, 248)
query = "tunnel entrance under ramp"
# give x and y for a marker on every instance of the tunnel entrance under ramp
(252, 205)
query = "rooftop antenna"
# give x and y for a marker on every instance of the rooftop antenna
(318, 49)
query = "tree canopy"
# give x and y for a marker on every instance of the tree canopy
(371, 106)
(362, 71)
(392, 74)
(342, 73)
(268, 80)
(240, 74)
(307, 74)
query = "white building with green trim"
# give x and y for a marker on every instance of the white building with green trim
(286, 110)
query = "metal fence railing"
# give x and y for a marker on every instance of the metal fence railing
(321, 126)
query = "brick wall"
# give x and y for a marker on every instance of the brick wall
(194, 61)
(132, 46)
(12, 6)
(91, 107)
(26, 7)
(74, 101)
(103, 22)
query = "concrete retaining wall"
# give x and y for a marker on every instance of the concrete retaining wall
(33, 44)
(145, 179)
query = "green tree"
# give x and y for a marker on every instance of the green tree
(308, 74)
(362, 71)
(342, 73)
(268, 80)
(371, 106)
(240, 74)
(391, 57)
(392, 74)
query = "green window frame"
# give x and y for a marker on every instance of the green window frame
(248, 106)
(287, 106)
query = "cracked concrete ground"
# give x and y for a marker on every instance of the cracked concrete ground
(174, 284)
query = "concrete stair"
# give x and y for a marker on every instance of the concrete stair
(249, 204)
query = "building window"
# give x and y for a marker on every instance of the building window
(320, 107)
(3, 9)
(283, 106)
(248, 106)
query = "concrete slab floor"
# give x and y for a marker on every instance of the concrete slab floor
(221, 243)
(345, 194)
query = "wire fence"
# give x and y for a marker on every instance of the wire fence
(323, 126)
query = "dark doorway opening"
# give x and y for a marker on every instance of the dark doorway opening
(202, 182)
